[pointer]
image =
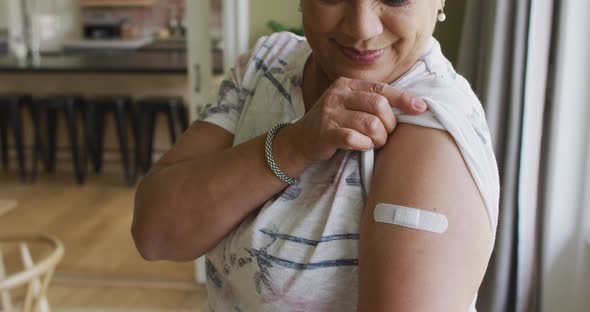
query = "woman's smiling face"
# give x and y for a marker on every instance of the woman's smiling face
(375, 40)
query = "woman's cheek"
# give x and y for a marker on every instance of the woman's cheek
(320, 23)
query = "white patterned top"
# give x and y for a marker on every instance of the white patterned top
(299, 252)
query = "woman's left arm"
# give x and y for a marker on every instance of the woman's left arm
(403, 269)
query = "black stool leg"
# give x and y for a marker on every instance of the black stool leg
(141, 139)
(38, 149)
(17, 131)
(134, 121)
(84, 151)
(73, 136)
(151, 129)
(183, 112)
(51, 123)
(90, 134)
(4, 141)
(173, 118)
(99, 140)
(120, 117)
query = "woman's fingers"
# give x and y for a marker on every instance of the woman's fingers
(374, 104)
(349, 139)
(353, 115)
(396, 98)
(366, 124)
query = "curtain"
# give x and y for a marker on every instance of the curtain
(504, 53)
(566, 176)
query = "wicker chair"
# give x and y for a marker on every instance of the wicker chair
(35, 277)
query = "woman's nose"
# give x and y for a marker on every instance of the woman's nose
(362, 23)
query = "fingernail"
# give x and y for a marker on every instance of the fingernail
(419, 104)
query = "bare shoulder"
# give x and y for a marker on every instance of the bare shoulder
(423, 168)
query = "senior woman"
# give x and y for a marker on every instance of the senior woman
(289, 227)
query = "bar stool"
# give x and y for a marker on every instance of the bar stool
(123, 109)
(11, 106)
(175, 110)
(71, 106)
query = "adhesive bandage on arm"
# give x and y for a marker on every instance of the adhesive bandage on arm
(411, 218)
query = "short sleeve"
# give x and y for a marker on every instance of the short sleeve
(453, 107)
(225, 106)
(427, 119)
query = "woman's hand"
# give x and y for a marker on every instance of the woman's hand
(351, 115)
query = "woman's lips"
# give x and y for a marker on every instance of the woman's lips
(362, 57)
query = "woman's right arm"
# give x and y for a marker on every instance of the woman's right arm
(203, 187)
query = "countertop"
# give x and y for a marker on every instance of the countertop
(141, 61)
(159, 57)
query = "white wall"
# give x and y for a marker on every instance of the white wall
(282, 11)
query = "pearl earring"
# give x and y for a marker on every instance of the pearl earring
(441, 16)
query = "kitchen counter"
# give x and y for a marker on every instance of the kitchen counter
(166, 45)
(135, 62)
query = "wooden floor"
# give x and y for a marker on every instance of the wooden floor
(101, 270)
(65, 298)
